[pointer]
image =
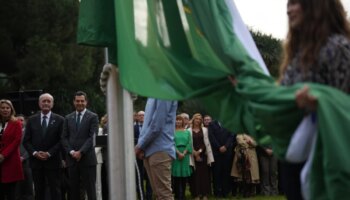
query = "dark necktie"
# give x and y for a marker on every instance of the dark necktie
(78, 120)
(140, 127)
(44, 124)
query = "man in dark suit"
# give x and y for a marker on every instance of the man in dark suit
(42, 141)
(78, 135)
(222, 144)
(147, 194)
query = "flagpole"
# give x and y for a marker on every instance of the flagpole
(121, 169)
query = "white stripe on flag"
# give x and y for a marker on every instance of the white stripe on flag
(243, 34)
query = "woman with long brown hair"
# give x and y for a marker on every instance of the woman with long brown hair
(317, 49)
(10, 139)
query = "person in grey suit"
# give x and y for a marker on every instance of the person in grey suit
(79, 131)
(42, 140)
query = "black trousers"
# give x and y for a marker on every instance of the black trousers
(104, 181)
(291, 180)
(84, 176)
(24, 188)
(146, 192)
(179, 187)
(47, 180)
(8, 191)
(222, 181)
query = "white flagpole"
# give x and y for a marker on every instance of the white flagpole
(121, 156)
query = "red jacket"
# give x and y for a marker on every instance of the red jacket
(11, 167)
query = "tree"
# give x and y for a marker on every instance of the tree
(270, 49)
(40, 52)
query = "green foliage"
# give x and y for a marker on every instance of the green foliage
(270, 49)
(39, 52)
(140, 103)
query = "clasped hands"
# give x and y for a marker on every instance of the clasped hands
(197, 154)
(180, 155)
(41, 155)
(76, 155)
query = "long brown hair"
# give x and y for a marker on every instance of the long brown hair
(321, 19)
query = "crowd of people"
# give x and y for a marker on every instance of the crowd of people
(47, 156)
(211, 160)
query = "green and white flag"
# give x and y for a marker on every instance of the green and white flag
(184, 49)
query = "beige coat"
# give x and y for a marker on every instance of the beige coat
(208, 151)
(247, 143)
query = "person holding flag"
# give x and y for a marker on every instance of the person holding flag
(156, 145)
(317, 49)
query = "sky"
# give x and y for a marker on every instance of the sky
(269, 16)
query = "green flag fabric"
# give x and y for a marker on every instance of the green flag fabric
(184, 49)
(97, 26)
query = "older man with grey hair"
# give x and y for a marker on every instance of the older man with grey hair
(43, 142)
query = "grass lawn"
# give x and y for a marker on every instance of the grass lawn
(254, 198)
(258, 197)
(250, 198)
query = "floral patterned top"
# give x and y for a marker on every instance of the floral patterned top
(332, 67)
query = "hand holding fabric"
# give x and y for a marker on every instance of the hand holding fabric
(305, 100)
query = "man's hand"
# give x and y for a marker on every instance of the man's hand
(44, 155)
(223, 149)
(269, 151)
(40, 155)
(76, 155)
(305, 100)
(139, 153)
(233, 80)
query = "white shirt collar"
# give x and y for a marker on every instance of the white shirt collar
(82, 112)
(48, 115)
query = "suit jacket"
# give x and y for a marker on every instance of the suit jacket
(82, 139)
(136, 133)
(218, 137)
(36, 140)
(23, 152)
(11, 167)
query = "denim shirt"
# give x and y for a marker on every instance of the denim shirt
(157, 133)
